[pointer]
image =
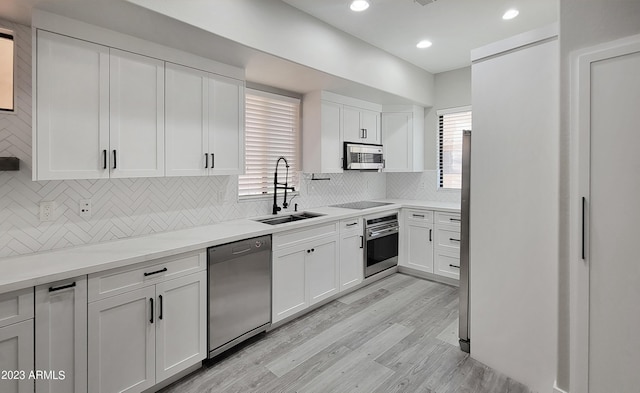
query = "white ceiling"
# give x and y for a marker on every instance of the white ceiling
(454, 26)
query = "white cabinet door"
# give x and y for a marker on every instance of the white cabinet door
(186, 119)
(71, 135)
(351, 259)
(288, 285)
(331, 149)
(226, 126)
(321, 262)
(419, 246)
(181, 339)
(16, 357)
(61, 335)
(121, 340)
(370, 123)
(351, 124)
(136, 117)
(396, 140)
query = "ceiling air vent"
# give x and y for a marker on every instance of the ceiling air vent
(424, 2)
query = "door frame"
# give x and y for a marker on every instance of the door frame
(580, 145)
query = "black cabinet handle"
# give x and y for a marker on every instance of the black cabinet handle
(365, 133)
(53, 289)
(361, 241)
(104, 159)
(456, 266)
(454, 219)
(313, 250)
(430, 235)
(454, 240)
(213, 160)
(584, 235)
(156, 272)
(206, 160)
(151, 301)
(114, 159)
(418, 215)
(352, 224)
(160, 299)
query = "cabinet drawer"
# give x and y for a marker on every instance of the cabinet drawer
(420, 215)
(448, 239)
(124, 279)
(443, 218)
(447, 264)
(351, 224)
(16, 306)
(294, 238)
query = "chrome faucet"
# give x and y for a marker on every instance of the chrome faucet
(280, 186)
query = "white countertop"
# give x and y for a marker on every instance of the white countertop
(42, 268)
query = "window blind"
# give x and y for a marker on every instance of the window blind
(6, 71)
(271, 131)
(451, 124)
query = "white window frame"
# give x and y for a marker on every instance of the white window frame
(440, 113)
(294, 172)
(12, 33)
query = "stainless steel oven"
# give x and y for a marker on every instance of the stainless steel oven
(381, 243)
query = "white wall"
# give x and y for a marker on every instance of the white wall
(126, 207)
(274, 27)
(582, 24)
(513, 212)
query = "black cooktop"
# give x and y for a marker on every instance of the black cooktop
(360, 205)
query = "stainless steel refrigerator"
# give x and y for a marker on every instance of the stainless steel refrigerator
(463, 329)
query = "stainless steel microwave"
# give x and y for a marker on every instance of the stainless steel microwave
(363, 157)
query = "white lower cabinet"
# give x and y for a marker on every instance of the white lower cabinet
(16, 341)
(139, 338)
(61, 336)
(16, 357)
(419, 240)
(304, 273)
(351, 253)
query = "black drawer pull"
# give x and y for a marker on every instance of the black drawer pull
(454, 219)
(206, 161)
(352, 224)
(361, 241)
(160, 299)
(418, 215)
(104, 158)
(454, 240)
(53, 289)
(114, 159)
(213, 160)
(457, 267)
(430, 235)
(156, 272)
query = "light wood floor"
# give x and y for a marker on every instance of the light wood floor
(395, 335)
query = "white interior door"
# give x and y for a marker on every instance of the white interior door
(136, 124)
(72, 98)
(610, 96)
(186, 130)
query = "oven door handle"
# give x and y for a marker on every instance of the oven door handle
(381, 233)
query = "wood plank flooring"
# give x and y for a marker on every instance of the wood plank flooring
(395, 335)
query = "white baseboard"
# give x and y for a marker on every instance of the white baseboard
(556, 389)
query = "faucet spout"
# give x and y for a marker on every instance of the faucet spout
(280, 186)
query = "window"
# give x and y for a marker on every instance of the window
(451, 124)
(271, 131)
(6, 71)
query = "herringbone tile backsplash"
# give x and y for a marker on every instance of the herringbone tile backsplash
(132, 207)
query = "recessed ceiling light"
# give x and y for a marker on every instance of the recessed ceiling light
(359, 5)
(512, 13)
(423, 44)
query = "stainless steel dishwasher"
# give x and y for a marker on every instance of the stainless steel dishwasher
(239, 292)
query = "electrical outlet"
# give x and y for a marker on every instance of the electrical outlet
(85, 208)
(422, 185)
(47, 211)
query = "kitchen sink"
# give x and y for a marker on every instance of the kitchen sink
(291, 218)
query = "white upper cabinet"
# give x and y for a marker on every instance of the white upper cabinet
(186, 118)
(71, 127)
(204, 123)
(226, 125)
(106, 113)
(136, 116)
(361, 125)
(403, 139)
